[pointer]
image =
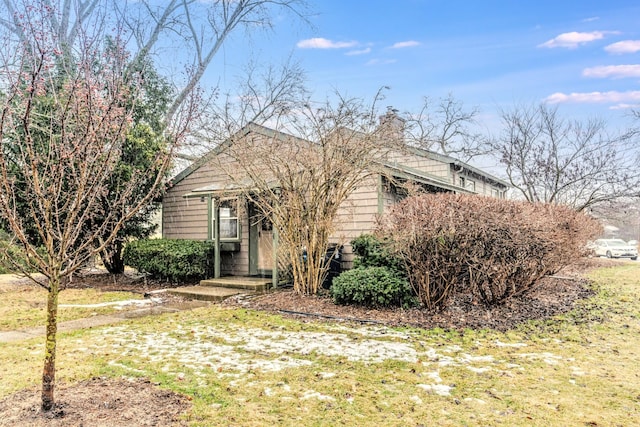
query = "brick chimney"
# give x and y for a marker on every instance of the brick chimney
(391, 125)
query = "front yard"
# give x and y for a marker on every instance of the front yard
(240, 366)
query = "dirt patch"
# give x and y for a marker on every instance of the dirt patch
(552, 296)
(98, 402)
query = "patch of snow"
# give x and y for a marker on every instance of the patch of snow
(467, 358)
(499, 343)
(478, 370)
(415, 399)
(577, 371)
(373, 332)
(328, 344)
(325, 375)
(284, 386)
(204, 347)
(548, 358)
(439, 389)
(435, 376)
(310, 394)
(116, 304)
(128, 368)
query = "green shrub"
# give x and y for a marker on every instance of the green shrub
(372, 251)
(372, 287)
(168, 259)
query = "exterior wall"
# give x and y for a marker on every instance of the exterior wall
(423, 164)
(357, 215)
(481, 186)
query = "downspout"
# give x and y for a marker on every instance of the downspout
(274, 275)
(380, 196)
(216, 238)
(276, 238)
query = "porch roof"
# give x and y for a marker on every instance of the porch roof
(401, 171)
(222, 188)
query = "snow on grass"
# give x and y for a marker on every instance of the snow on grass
(233, 351)
(327, 344)
(439, 389)
(119, 305)
(548, 358)
(310, 394)
(499, 343)
(229, 353)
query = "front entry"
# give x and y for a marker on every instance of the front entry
(260, 244)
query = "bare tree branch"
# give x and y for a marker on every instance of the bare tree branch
(445, 128)
(552, 159)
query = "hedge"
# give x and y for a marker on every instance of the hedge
(171, 259)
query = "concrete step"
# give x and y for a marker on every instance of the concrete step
(255, 284)
(206, 293)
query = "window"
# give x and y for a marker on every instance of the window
(470, 185)
(461, 182)
(229, 224)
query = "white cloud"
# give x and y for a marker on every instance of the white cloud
(322, 43)
(574, 39)
(591, 19)
(594, 97)
(613, 71)
(380, 61)
(624, 106)
(408, 43)
(359, 52)
(625, 46)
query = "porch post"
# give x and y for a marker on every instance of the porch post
(216, 238)
(274, 275)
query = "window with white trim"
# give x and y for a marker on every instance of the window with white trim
(470, 185)
(229, 224)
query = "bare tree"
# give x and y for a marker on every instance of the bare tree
(261, 96)
(193, 28)
(577, 163)
(65, 111)
(299, 178)
(446, 127)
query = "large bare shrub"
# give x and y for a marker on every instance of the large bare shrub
(493, 248)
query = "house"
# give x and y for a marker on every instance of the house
(245, 240)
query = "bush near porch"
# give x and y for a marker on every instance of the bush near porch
(173, 260)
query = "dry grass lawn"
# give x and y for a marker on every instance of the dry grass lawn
(250, 368)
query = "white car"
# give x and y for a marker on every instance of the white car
(615, 248)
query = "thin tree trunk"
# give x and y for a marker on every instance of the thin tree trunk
(112, 257)
(49, 371)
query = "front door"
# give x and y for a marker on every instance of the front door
(265, 247)
(260, 244)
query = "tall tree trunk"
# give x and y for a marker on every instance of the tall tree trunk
(112, 257)
(49, 371)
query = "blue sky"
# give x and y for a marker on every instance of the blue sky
(583, 56)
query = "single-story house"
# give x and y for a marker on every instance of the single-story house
(245, 240)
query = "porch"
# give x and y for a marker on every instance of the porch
(218, 289)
